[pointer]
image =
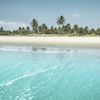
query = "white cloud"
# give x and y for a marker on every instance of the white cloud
(11, 25)
(76, 15)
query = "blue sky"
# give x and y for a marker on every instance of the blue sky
(15, 13)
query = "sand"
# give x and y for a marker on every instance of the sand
(91, 42)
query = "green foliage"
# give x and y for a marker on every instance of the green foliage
(34, 25)
(61, 20)
(63, 29)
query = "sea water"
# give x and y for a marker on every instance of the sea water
(30, 73)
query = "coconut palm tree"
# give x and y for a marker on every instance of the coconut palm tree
(1, 29)
(51, 31)
(86, 30)
(71, 31)
(35, 25)
(28, 29)
(20, 30)
(55, 30)
(67, 28)
(75, 28)
(61, 22)
(40, 29)
(98, 31)
(44, 28)
(92, 31)
(23, 30)
(80, 31)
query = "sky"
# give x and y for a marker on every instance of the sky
(16, 13)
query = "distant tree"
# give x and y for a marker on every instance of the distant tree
(86, 30)
(35, 25)
(15, 32)
(67, 28)
(81, 31)
(76, 29)
(44, 28)
(55, 30)
(98, 31)
(20, 30)
(92, 31)
(52, 30)
(59, 30)
(1, 29)
(28, 29)
(23, 30)
(40, 29)
(72, 31)
(61, 22)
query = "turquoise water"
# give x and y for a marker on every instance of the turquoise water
(49, 74)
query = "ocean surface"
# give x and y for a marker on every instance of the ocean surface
(30, 73)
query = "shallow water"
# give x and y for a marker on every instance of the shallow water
(28, 73)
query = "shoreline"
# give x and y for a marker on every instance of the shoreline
(82, 42)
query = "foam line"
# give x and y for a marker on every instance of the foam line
(26, 76)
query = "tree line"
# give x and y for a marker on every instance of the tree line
(62, 29)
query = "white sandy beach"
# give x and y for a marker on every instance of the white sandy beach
(51, 41)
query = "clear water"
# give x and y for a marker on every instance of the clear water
(28, 73)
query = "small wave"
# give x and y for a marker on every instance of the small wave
(38, 51)
(34, 49)
(17, 50)
(17, 79)
(11, 82)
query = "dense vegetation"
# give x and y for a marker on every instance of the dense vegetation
(62, 29)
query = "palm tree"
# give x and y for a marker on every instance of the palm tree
(20, 30)
(75, 28)
(61, 22)
(35, 25)
(55, 30)
(1, 29)
(86, 30)
(44, 28)
(40, 29)
(81, 31)
(51, 30)
(23, 30)
(71, 31)
(98, 31)
(28, 29)
(92, 31)
(67, 28)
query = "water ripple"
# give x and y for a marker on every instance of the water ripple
(11, 82)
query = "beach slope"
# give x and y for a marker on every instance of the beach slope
(91, 42)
